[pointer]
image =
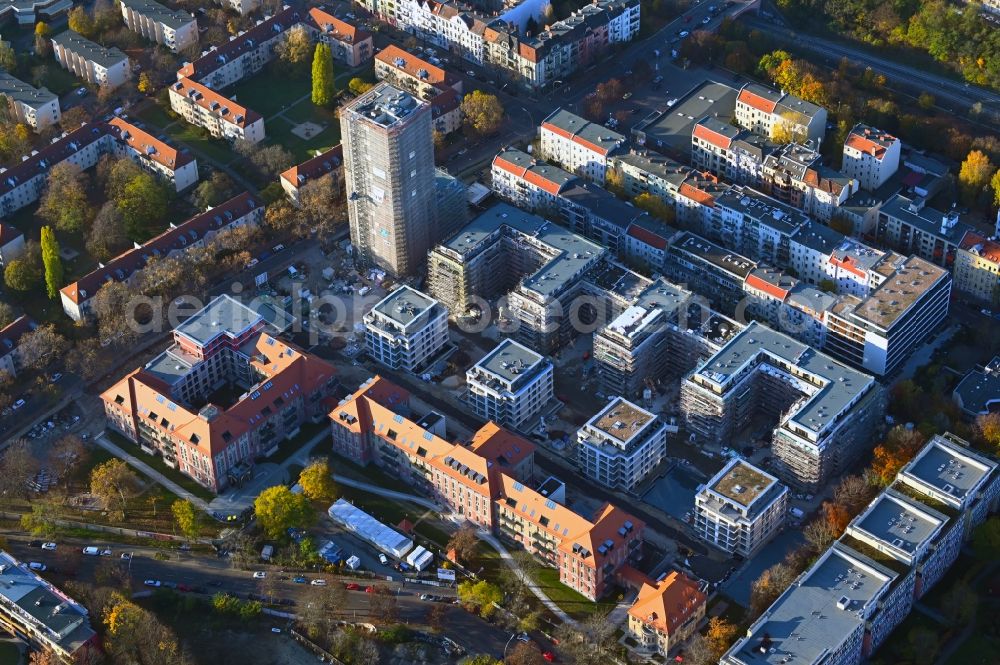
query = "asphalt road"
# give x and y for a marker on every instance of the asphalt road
(944, 89)
(217, 575)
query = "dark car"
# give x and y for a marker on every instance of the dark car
(35, 543)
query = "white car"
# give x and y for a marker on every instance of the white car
(105, 552)
(126, 556)
(275, 629)
(49, 546)
(383, 559)
(318, 582)
(35, 565)
(259, 575)
(18, 404)
(152, 583)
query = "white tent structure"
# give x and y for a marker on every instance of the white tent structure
(420, 558)
(370, 529)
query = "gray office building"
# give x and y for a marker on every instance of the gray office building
(389, 171)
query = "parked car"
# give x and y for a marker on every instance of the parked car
(318, 582)
(259, 575)
(126, 556)
(17, 405)
(35, 543)
(549, 656)
(353, 586)
(369, 589)
(91, 551)
(152, 583)
(300, 580)
(383, 559)
(106, 552)
(35, 565)
(49, 547)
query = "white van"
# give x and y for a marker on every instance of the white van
(92, 551)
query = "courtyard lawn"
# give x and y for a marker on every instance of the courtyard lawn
(981, 647)
(387, 511)
(574, 604)
(154, 115)
(279, 131)
(269, 92)
(9, 654)
(200, 141)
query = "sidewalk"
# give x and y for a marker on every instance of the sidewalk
(149, 471)
(389, 494)
(493, 542)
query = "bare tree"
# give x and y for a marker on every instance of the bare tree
(64, 455)
(17, 467)
(464, 542)
(383, 608)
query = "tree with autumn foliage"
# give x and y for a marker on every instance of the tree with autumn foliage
(973, 176)
(899, 447)
(720, 635)
(988, 428)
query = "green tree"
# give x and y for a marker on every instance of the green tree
(317, 481)
(143, 205)
(322, 76)
(8, 59)
(278, 508)
(480, 659)
(23, 273)
(482, 112)
(480, 596)
(64, 202)
(187, 517)
(52, 262)
(986, 539)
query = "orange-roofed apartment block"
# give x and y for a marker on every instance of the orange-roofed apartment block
(528, 183)
(488, 481)
(223, 395)
(761, 110)
(977, 269)
(222, 117)
(666, 613)
(871, 156)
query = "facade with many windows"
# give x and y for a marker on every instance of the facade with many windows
(510, 384)
(173, 28)
(35, 107)
(106, 67)
(406, 330)
(620, 445)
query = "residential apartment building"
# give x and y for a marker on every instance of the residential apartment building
(35, 107)
(740, 509)
(242, 210)
(596, 213)
(224, 394)
(537, 264)
(489, 483)
(762, 110)
(389, 169)
(175, 29)
(620, 445)
(794, 174)
(871, 156)
(28, 12)
(707, 269)
(844, 606)
(43, 615)
(406, 330)
(978, 393)
(96, 64)
(881, 330)
(666, 613)
(222, 118)
(177, 167)
(10, 337)
(830, 614)
(330, 162)
(644, 246)
(529, 183)
(510, 385)
(827, 413)
(750, 223)
(23, 183)
(424, 80)
(906, 225)
(976, 270)
(644, 172)
(349, 44)
(578, 145)
(11, 243)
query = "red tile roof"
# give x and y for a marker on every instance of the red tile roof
(869, 141)
(529, 176)
(645, 235)
(987, 248)
(576, 139)
(757, 102)
(240, 44)
(126, 264)
(11, 334)
(148, 145)
(847, 263)
(40, 163)
(715, 138)
(8, 233)
(669, 603)
(773, 290)
(695, 194)
(212, 101)
(331, 25)
(413, 66)
(318, 166)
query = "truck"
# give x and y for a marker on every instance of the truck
(267, 552)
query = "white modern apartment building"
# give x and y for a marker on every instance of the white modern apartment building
(740, 509)
(527, 182)
(621, 444)
(35, 107)
(406, 329)
(27, 12)
(871, 156)
(510, 385)
(106, 67)
(761, 110)
(578, 145)
(242, 7)
(222, 117)
(173, 28)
